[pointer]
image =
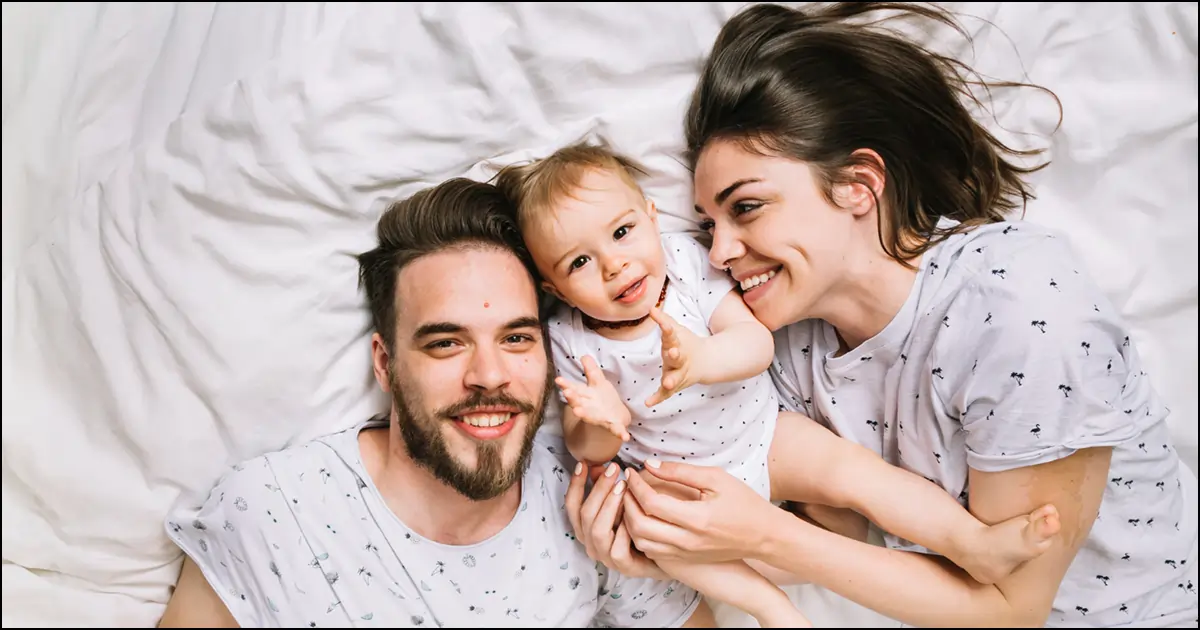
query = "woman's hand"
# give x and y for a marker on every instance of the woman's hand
(596, 520)
(723, 520)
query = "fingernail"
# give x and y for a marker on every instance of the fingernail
(611, 470)
(578, 469)
(619, 488)
(653, 463)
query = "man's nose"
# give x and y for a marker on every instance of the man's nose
(487, 371)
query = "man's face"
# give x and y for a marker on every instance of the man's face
(469, 376)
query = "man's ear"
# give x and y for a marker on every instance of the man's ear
(380, 360)
(549, 287)
(868, 175)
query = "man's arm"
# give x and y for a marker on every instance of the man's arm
(194, 604)
(702, 617)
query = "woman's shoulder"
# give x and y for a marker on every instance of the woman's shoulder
(1014, 263)
(1000, 249)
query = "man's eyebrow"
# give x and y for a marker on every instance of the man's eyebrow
(523, 322)
(450, 328)
(437, 328)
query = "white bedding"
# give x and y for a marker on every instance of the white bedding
(184, 186)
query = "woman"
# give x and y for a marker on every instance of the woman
(912, 318)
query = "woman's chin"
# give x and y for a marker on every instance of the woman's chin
(770, 317)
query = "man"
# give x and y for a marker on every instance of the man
(450, 512)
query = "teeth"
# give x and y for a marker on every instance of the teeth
(486, 419)
(753, 281)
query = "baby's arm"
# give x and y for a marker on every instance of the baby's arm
(586, 442)
(740, 346)
(595, 421)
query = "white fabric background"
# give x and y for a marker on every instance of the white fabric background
(184, 186)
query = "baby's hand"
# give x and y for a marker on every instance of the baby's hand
(597, 402)
(680, 349)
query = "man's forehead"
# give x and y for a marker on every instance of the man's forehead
(473, 286)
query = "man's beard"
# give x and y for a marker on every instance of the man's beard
(426, 444)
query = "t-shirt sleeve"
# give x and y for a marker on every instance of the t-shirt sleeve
(251, 550)
(644, 603)
(1037, 365)
(688, 259)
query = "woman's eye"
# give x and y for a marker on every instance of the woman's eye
(742, 207)
(707, 225)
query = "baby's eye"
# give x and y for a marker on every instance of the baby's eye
(578, 262)
(621, 232)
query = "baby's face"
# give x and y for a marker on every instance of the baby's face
(599, 249)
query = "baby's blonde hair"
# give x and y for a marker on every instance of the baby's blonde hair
(535, 187)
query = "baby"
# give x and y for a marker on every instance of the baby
(658, 357)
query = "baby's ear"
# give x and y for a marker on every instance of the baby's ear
(652, 210)
(548, 287)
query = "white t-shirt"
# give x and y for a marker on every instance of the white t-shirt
(727, 425)
(302, 538)
(1004, 356)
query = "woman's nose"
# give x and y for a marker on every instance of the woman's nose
(726, 248)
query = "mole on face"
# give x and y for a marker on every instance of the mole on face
(486, 305)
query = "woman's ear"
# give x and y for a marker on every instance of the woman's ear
(867, 175)
(380, 360)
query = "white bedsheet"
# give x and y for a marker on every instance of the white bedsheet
(184, 186)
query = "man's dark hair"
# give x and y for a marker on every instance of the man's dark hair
(458, 213)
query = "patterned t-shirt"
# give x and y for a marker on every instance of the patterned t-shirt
(302, 538)
(1006, 355)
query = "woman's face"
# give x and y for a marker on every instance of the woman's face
(786, 245)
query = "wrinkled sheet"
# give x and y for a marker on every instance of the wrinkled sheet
(185, 185)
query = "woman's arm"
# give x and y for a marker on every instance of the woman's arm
(195, 604)
(731, 521)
